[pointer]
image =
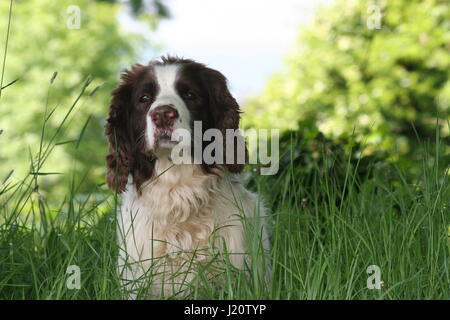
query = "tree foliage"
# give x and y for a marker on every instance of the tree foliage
(140, 7)
(384, 85)
(42, 41)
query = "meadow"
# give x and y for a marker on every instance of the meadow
(327, 229)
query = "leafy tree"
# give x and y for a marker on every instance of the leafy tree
(141, 7)
(387, 84)
(44, 39)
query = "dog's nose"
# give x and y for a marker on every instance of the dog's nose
(164, 116)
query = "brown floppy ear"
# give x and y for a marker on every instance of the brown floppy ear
(117, 130)
(226, 115)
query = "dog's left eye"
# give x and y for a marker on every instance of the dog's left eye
(144, 98)
(189, 95)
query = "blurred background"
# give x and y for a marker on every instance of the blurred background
(371, 76)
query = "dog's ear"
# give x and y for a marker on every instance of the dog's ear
(226, 115)
(119, 134)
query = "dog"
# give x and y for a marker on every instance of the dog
(174, 217)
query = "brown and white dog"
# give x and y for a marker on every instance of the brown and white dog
(173, 216)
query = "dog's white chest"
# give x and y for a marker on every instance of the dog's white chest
(170, 222)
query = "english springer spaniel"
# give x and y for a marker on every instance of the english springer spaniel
(175, 218)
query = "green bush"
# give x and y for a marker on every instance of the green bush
(386, 87)
(42, 42)
(307, 156)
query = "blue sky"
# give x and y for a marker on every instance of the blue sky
(245, 40)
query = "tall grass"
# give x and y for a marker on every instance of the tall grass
(326, 236)
(325, 233)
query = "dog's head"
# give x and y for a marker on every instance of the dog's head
(151, 103)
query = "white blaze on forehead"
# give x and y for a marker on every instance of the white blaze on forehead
(166, 78)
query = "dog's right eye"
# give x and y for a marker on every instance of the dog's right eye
(145, 98)
(188, 95)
